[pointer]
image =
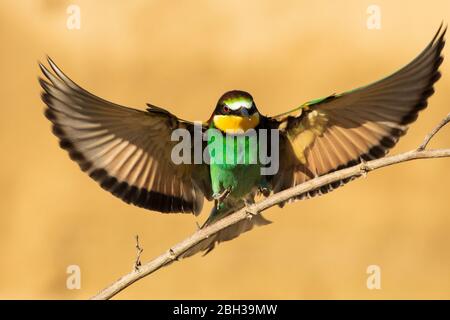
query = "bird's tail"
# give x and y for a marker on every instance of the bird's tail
(228, 233)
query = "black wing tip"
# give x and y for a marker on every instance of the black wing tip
(53, 78)
(388, 142)
(39, 62)
(54, 74)
(44, 85)
(43, 67)
(141, 197)
(437, 45)
(49, 114)
(440, 33)
(52, 64)
(45, 72)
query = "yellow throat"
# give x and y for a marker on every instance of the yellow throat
(235, 124)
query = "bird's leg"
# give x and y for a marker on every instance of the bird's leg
(363, 167)
(219, 197)
(264, 188)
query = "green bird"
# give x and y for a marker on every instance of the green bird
(129, 152)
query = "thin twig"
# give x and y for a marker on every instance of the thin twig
(139, 250)
(358, 170)
(433, 132)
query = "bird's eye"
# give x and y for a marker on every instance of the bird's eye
(226, 109)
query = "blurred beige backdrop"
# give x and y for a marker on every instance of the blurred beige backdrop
(183, 55)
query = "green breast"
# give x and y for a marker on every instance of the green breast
(234, 163)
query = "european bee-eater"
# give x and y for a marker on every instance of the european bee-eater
(128, 151)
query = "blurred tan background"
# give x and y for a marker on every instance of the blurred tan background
(183, 55)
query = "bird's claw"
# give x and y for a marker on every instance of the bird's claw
(264, 188)
(363, 168)
(264, 191)
(219, 197)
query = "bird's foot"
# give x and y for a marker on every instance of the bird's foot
(265, 188)
(364, 169)
(264, 191)
(219, 197)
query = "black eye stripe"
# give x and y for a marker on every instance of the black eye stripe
(223, 108)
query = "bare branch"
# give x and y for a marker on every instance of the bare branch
(433, 132)
(359, 170)
(139, 250)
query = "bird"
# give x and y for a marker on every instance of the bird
(128, 151)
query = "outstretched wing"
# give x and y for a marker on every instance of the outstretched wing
(127, 151)
(338, 131)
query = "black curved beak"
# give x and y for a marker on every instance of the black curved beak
(244, 112)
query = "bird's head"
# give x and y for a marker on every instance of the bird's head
(236, 112)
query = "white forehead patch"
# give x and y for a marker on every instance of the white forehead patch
(237, 104)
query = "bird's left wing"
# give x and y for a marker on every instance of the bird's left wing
(127, 151)
(339, 131)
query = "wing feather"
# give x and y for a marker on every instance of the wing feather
(127, 151)
(339, 131)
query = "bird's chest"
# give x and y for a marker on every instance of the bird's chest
(234, 163)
